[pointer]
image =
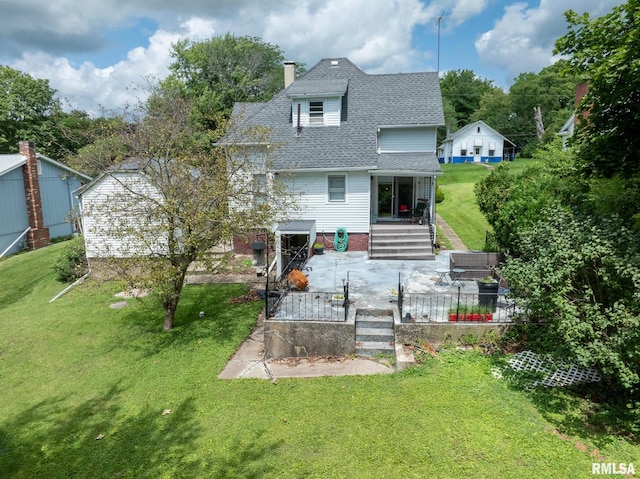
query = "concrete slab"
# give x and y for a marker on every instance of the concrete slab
(317, 367)
(372, 281)
(245, 368)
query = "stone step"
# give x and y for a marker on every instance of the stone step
(403, 255)
(372, 348)
(374, 334)
(374, 322)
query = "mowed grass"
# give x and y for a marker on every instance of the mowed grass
(90, 391)
(460, 207)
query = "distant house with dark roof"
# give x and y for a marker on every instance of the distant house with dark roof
(476, 142)
(36, 197)
(360, 150)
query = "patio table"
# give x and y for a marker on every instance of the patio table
(456, 276)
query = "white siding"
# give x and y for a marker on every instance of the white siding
(483, 139)
(116, 222)
(331, 111)
(396, 140)
(353, 214)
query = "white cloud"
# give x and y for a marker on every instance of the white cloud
(89, 88)
(522, 40)
(377, 36)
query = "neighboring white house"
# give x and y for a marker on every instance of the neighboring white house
(358, 149)
(567, 130)
(474, 143)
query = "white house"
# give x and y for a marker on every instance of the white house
(359, 149)
(474, 143)
(567, 130)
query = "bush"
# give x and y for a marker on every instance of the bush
(72, 262)
(439, 195)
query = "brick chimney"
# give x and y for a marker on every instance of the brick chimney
(289, 72)
(581, 90)
(38, 235)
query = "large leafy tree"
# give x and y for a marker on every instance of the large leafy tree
(26, 108)
(187, 199)
(553, 91)
(463, 89)
(606, 51)
(218, 72)
(572, 226)
(29, 110)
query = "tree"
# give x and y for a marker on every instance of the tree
(464, 89)
(495, 110)
(553, 92)
(606, 50)
(513, 203)
(186, 199)
(26, 107)
(218, 72)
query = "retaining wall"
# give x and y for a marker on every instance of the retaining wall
(299, 339)
(410, 333)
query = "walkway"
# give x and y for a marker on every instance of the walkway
(456, 242)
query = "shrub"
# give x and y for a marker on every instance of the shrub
(72, 262)
(439, 195)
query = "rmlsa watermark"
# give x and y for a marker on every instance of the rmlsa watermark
(611, 468)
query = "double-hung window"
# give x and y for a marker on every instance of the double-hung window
(337, 187)
(316, 112)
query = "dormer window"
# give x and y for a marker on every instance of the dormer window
(316, 113)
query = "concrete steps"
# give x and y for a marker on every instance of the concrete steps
(400, 241)
(374, 332)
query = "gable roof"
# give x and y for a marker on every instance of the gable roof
(11, 162)
(469, 130)
(369, 102)
(569, 126)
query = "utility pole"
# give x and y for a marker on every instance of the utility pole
(438, 23)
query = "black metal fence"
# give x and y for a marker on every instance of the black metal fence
(457, 306)
(295, 305)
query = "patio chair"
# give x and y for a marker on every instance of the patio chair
(417, 215)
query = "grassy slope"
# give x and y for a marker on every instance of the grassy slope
(75, 369)
(460, 208)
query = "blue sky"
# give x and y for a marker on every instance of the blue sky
(94, 52)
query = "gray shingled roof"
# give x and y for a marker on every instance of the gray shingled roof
(371, 101)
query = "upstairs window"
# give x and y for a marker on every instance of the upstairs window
(260, 195)
(337, 187)
(316, 113)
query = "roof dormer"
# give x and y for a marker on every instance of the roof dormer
(317, 102)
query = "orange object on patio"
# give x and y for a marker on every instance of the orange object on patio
(298, 279)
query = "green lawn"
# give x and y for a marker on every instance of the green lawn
(76, 370)
(460, 208)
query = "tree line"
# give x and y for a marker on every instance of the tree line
(569, 225)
